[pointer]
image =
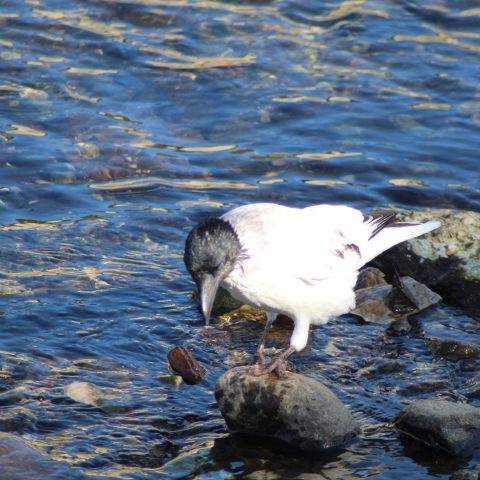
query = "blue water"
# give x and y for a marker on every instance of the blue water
(122, 124)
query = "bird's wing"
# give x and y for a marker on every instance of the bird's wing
(316, 242)
(311, 244)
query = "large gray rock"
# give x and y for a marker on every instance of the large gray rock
(292, 408)
(449, 426)
(447, 259)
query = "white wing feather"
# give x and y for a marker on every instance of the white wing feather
(315, 242)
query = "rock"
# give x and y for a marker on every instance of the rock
(83, 392)
(467, 474)
(89, 394)
(183, 363)
(153, 457)
(452, 349)
(447, 259)
(373, 303)
(18, 419)
(21, 462)
(292, 408)
(224, 302)
(449, 426)
(370, 277)
(451, 335)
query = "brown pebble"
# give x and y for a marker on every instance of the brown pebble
(183, 363)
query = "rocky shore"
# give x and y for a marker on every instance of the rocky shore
(438, 272)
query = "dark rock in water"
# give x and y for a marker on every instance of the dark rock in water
(154, 457)
(452, 427)
(447, 259)
(450, 334)
(373, 303)
(292, 408)
(183, 363)
(467, 474)
(453, 349)
(18, 419)
(399, 327)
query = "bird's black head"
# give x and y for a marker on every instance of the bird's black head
(211, 250)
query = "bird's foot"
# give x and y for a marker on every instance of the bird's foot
(278, 366)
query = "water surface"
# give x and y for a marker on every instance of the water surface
(123, 123)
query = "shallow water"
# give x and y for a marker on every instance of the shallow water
(124, 123)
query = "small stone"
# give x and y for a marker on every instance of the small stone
(370, 277)
(89, 394)
(175, 380)
(83, 392)
(449, 426)
(293, 408)
(183, 363)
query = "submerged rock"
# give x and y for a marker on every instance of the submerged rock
(452, 427)
(292, 408)
(447, 259)
(21, 462)
(450, 334)
(89, 394)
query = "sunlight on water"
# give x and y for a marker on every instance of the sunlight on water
(122, 124)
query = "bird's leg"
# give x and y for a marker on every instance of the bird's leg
(259, 357)
(277, 365)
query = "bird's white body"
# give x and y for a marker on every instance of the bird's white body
(304, 262)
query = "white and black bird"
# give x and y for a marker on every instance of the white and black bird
(302, 263)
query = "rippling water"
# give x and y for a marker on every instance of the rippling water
(122, 123)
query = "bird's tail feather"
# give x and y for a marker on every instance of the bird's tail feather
(393, 234)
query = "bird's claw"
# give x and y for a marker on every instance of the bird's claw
(277, 366)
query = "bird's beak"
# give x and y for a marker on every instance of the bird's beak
(208, 287)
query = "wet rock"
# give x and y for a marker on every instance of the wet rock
(467, 474)
(293, 408)
(89, 394)
(373, 303)
(399, 327)
(370, 277)
(451, 335)
(18, 419)
(447, 259)
(224, 302)
(21, 462)
(452, 349)
(449, 426)
(183, 363)
(83, 392)
(381, 366)
(154, 457)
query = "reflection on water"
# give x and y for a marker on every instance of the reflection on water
(123, 123)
